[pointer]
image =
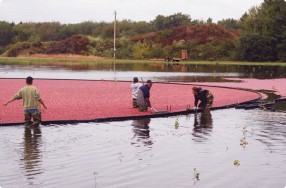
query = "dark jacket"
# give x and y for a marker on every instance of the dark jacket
(143, 94)
(201, 96)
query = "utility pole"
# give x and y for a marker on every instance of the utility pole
(114, 48)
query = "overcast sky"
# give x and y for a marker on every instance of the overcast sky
(76, 11)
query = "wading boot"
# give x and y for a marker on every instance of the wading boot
(27, 119)
(37, 119)
(143, 108)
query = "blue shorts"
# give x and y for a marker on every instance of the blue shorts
(31, 111)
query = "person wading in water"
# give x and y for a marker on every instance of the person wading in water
(204, 96)
(31, 99)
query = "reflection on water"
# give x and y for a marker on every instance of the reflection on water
(203, 120)
(157, 72)
(203, 123)
(141, 130)
(32, 154)
(245, 71)
(280, 106)
(69, 155)
(54, 72)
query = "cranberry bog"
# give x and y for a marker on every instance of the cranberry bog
(83, 101)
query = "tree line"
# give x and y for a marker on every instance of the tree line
(259, 35)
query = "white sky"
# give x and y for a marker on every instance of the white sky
(75, 11)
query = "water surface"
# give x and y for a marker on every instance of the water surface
(149, 152)
(156, 72)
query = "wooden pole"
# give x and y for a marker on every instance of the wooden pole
(114, 42)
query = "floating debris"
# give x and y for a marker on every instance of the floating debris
(243, 141)
(236, 162)
(196, 174)
(252, 132)
(244, 131)
(95, 174)
(177, 125)
(120, 156)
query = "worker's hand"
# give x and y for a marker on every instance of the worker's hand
(195, 108)
(45, 107)
(5, 104)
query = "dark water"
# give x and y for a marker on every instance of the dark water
(149, 152)
(157, 72)
(183, 151)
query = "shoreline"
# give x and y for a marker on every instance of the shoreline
(78, 59)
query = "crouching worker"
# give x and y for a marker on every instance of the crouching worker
(204, 96)
(31, 99)
(143, 97)
(135, 88)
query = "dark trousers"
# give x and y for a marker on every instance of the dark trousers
(36, 117)
(134, 103)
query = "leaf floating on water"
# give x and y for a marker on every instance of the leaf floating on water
(244, 131)
(243, 141)
(120, 156)
(236, 162)
(252, 131)
(196, 174)
(177, 125)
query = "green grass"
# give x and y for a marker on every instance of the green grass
(24, 60)
(48, 61)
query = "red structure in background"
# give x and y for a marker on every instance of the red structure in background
(89, 100)
(184, 54)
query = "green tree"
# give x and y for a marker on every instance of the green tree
(209, 20)
(168, 22)
(25, 32)
(86, 28)
(67, 30)
(48, 31)
(6, 33)
(255, 47)
(124, 49)
(275, 24)
(157, 51)
(267, 23)
(229, 23)
(141, 50)
(108, 31)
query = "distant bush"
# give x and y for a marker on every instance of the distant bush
(73, 45)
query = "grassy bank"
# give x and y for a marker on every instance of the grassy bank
(85, 60)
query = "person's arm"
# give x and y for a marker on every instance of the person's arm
(147, 98)
(42, 103)
(38, 97)
(11, 100)
(148, 102)
(203, 97)
(196, 101)
(16, 97)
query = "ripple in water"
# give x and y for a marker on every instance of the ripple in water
(160, 152)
